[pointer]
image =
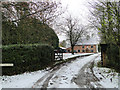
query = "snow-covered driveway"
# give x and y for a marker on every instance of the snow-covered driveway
(32, 79)
(76, 73)
(64, 75)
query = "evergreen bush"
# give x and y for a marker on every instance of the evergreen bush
(113, 57)
(30, 57)
(28, 31)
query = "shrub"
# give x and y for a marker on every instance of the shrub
(113, 57)
(28, 57)
(99, 64)
(28, 31)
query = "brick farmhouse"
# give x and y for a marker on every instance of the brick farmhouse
(85, 46)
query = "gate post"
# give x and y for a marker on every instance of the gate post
(53, 55)
(103, 54)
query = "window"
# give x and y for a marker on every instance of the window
(82, 46)
(68, 50)
(78, 50)
(92, 46)
(75, 51)
(83, 50)
(91, 50)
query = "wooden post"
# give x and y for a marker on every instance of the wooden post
(53, 55)
(103, 54)
(104, 58)
(62, 56)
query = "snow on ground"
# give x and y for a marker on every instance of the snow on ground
(26, 80)
(108, 77)
(69, 55)
(0, 84)
(63, 77)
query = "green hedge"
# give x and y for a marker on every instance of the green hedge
(113, 57)
(28, 31)
(30, 57)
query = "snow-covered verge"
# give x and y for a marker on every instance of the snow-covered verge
(108, 77)
(26, 80)
(69, 55)
(0, 84)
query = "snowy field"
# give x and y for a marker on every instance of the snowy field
(26, 80)
(108, 77)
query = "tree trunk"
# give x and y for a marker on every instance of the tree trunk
(72, 49)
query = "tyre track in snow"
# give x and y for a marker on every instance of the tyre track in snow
(44, 81)
(86, 77)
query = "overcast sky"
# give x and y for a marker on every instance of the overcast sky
(78, 8)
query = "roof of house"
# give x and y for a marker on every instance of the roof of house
(63, 47)
(91, 41)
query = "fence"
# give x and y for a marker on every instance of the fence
(58, 55)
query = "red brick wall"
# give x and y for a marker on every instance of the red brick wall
(79, 47)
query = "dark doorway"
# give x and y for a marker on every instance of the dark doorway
(87, 50)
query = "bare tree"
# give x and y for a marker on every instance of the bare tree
(105, 17)
(73, 30)
(46, 11)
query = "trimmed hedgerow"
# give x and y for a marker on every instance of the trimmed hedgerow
(30, 57)
(113, 57)
(28, 31)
